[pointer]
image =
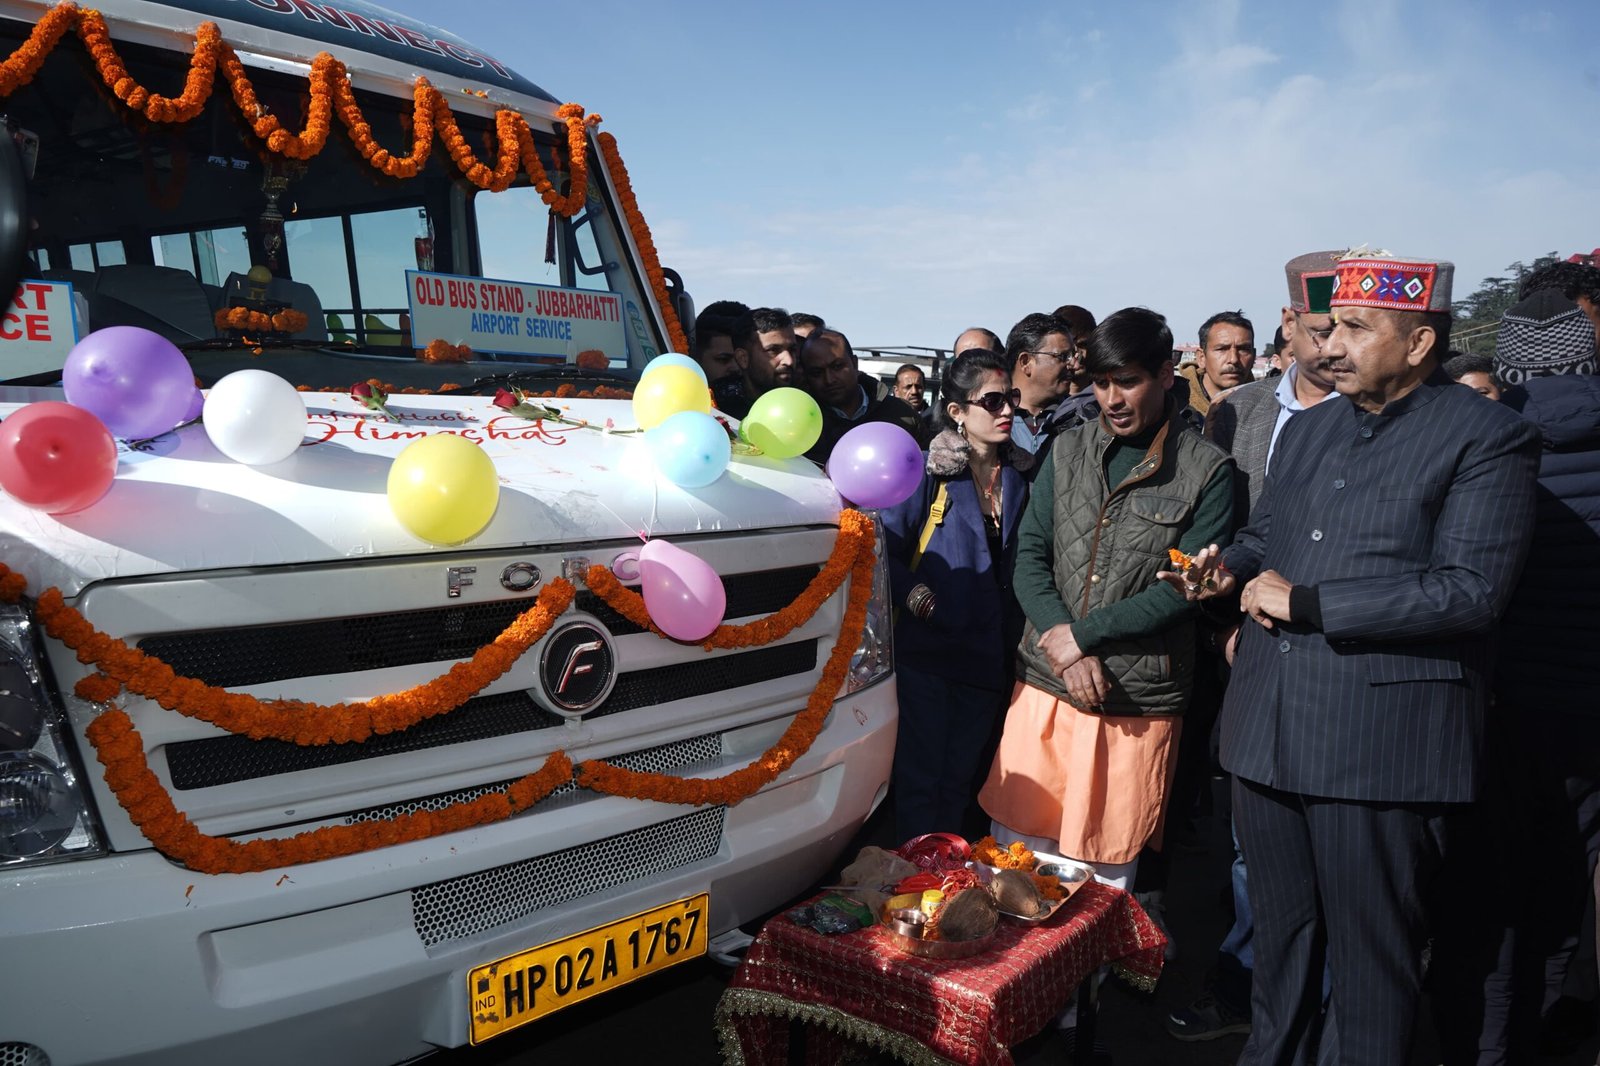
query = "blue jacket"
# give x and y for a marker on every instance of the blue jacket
(1548, 639)
(973, 632)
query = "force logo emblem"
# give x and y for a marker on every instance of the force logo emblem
(577, 669)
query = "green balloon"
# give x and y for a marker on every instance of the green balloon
(783, 423)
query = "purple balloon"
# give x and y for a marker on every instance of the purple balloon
(877, 464)
(135, 381)
(197, 406)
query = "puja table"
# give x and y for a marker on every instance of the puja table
(859, 989)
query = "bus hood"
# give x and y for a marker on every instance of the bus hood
(180, 505)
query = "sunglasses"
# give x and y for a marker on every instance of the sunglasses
(995, 402)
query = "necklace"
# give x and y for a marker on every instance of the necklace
(991, 495)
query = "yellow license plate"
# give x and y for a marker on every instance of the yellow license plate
(532, 984)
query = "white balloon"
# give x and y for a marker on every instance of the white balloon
(254, 417)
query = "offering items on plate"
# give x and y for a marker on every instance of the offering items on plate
(1015, 856)
(935, 851)
(1018, 893)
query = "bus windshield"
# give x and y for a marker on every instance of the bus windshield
(193, 229)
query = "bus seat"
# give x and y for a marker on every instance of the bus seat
(213, 296)
(381, 333)
(336, 332)
(164, 300)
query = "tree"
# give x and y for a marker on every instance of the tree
(1477, 317)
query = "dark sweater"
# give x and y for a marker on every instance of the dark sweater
(1549, 635)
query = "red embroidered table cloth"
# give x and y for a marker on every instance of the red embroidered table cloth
(859, 988)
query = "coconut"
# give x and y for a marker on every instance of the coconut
(969, 915)
(1017, 894)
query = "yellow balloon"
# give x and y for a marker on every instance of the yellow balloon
(665, 391)
(443, 489)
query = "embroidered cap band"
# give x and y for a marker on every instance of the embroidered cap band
(1393, 283)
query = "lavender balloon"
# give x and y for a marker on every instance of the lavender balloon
(135, 381)
(877, 464)
(197, 406)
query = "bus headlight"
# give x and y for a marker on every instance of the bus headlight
(44, 814)
(874, 658)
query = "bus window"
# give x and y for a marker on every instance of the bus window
(385, 247)
(210, 255)
(589, 265)
(89, 257)
(511, 236)
(317, 250)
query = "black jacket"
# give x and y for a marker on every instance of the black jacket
(1548, 640)
(882, 406)
(1410, 527)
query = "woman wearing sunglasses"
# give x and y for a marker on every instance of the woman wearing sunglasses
(951, 548)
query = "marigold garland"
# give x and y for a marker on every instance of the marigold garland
(121, 750)
(250, 321)
(331, 94)
(856, 535)
(298, 721)
(567, 391)
(802, 731)
(150, 807)
(641, 237)
(442, 351)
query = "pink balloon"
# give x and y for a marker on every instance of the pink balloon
(55, 457)
(876, 464)
(683, 594)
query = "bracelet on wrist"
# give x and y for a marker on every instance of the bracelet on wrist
(920, 602)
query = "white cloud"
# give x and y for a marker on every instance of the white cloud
(1146, 183)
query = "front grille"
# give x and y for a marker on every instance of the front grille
(253, 655)
(224, 760)
(14, 1054)
(699, 677)
(465, 906)
(688, 754)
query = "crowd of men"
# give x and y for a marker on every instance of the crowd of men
(1395, 645)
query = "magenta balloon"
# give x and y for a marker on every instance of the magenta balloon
(683, 594)
(133, 380)
(877, 464)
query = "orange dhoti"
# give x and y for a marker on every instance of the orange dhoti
(1096, 784)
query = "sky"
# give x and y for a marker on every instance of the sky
(908, 170)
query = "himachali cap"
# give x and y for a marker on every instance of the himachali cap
(1311, 280)
(1543, 335)
(1393, 284)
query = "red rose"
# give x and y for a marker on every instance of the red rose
(505, 398)
(361, 391)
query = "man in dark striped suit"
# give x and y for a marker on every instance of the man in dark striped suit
(1388, 539)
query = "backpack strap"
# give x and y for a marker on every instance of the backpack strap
(941, 502)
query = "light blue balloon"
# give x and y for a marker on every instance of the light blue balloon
(675, 359)
(690, 448)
